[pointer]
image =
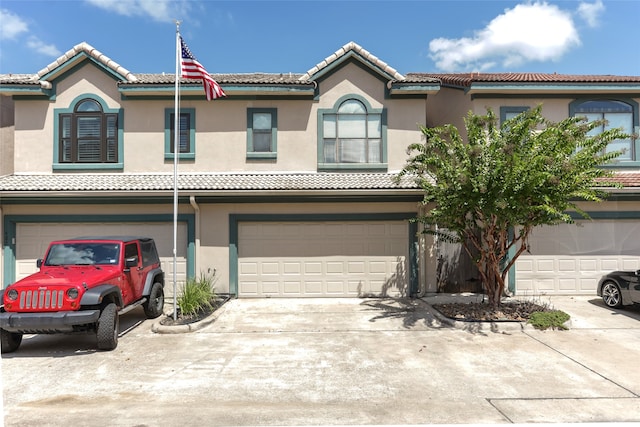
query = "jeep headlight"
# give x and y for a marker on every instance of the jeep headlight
(72, 293)
(12, 295)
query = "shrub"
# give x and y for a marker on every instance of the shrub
(197, 294)
(554, 319)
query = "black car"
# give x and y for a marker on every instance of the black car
(620, 288)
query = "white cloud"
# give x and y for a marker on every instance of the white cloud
(528, 32)
(12, 25)
(39, 46)
(591, 12)
(158, 10)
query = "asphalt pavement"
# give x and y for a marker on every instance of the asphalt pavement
(267, 362)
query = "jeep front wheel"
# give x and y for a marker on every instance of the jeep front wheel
(155, 303)
(10, 340)
(107, 330)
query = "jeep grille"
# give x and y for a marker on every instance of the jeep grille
(41, 299)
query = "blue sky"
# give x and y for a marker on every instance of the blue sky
(567, 37)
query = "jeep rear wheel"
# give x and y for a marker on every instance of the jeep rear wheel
(155, 303)
(107, 330)
(10, 340)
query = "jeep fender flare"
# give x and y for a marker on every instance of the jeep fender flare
(96, 296)
(155, 275)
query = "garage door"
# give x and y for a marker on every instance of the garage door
(322, 259)
(571, 258)
(32, 241)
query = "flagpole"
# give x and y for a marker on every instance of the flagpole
(176, 153)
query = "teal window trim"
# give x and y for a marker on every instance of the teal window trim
(382, 166)
(235, 219)
(168, 154)
(10, 227)
(635, 140)
(508, 110)
(251, 153)
(58, 112)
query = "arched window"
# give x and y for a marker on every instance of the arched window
(87, 134)
(617, 114)
(352, 134)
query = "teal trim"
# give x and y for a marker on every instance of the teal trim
(57, 166)
(373, 167)
(352, 57)
(235, 219)
(251, 154)
(573, 106)
(168, 154)
(25, 92)
(511, 285)
(11, 222)
(537, 96)
(73, 64)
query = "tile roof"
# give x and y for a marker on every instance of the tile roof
(627, 179)
(467, 79)
(202, 182)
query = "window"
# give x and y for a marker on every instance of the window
(88, 135)
(352, 136)
(186, 132)
(262, 132)
(617, 114)
(508, 113)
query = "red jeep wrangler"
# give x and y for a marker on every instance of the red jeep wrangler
(83, 285)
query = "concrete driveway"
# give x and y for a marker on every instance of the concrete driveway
(330, 362)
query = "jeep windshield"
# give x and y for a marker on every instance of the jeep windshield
(83, 253)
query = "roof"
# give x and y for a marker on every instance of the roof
(201, 182)
(468, 79)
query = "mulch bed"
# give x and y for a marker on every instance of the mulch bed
(517, 311)
(185, 319)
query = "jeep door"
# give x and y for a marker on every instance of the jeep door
(134, 272)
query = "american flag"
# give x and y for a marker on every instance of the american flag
(192, 69)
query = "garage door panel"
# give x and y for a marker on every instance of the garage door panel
(571, 259)
(329, 259)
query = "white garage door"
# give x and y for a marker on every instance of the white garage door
(322, 259)
(571, 258)
(32, 241)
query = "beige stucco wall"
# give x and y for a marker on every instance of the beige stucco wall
(221, 137)
(212, 232)
(7, 129)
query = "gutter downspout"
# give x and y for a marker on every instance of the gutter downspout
(196, 208)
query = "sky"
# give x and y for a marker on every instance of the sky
(429, 36)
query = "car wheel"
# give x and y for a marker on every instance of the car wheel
(10, 340)
(107, 330)
(155, 303)
(611, 295)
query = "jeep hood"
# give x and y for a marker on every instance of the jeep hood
(69, 276)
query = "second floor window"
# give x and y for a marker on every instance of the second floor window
(262, 133)
(88, 135)
(352, 135)
(616, 114)
(184, 140)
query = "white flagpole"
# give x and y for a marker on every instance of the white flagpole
(176, 153)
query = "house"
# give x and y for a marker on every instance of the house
(568, 258)
(287, 186)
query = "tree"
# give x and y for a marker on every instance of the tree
(489, 193)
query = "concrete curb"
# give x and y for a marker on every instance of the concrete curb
(158, 328)
(477, 326)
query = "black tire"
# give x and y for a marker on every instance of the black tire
(155, 303)
(10, 341)
(611, 295)
(107, 328)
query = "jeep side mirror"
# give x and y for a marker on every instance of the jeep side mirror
(131, 262)
(39, 262)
